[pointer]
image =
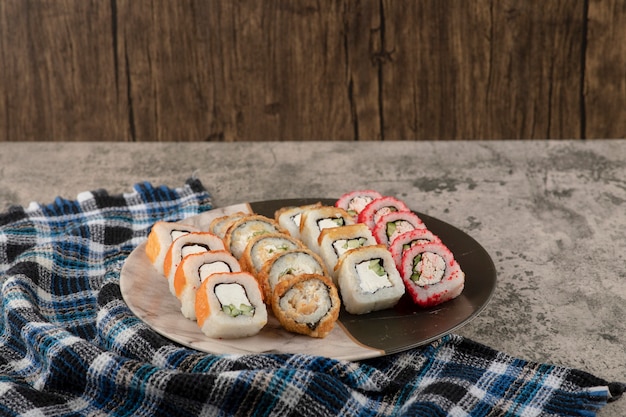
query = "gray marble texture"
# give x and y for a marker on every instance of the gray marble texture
(552, 215)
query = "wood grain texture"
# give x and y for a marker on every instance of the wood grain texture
(196, 70)
(605, 70)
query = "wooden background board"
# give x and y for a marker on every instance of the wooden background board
(199, 70)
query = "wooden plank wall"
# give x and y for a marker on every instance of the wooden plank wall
(199, 70)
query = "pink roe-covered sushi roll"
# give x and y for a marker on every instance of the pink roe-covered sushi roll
(355, 201)
(431, 275)
(393, 224)
(378, 208)
(406, 240)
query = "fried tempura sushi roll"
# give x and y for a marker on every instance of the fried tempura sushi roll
(368, 280)
(220, 225)
(431, 274)
(336, 241)
(262, 248)
(185, 245)
(306, 304)
(294, 262)
(160, 239)
(392, 224)
(378, 208)
(229, 305)
(246, 228)
(196, 268)
(355, 201)
(318, 219)
(290, 217)
(411, 238)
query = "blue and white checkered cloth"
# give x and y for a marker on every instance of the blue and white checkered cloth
(69, 345)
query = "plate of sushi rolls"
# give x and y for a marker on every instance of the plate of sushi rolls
(351, 278)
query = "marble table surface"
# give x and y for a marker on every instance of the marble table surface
(552, 215)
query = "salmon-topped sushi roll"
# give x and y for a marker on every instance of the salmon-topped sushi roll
(229, 305)
(160, 239)
(431, 274)
(185, 245)
(307, 304)
(196, 268)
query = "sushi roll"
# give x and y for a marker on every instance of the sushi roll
(336, 241)
(160, 239)
(246, 228)
(318, 219)
(392, 224)
(220, 225)
(185, 245)
(293, 262)
(411, 238)
(289, 217)
(229, 305)
(378, 208)
(306, 304)
(431, 274)
(193, 270)
(264, 247)
(355, 201)
(368, 280)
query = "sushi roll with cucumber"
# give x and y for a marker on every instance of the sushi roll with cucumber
(245, 229)
(392, 224)
(431, 274)
(318, 219)
(368, 280)
(355, 201)
(336, 241)
(306, 304)
(262, 248)
(378, 208)
(196, 268)
(408, 239)
(293, 262)
(229, 305)
(160, 239)
(186, 245)
(290, 217)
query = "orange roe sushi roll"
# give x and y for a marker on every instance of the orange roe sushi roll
(160, 239)
(185, 245)
(196, 268)
(229, 305)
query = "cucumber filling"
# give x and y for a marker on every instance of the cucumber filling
(341, 246)
(234, 300)
(372, 275)
(330, 222)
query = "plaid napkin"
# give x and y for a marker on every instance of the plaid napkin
(70, 346)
